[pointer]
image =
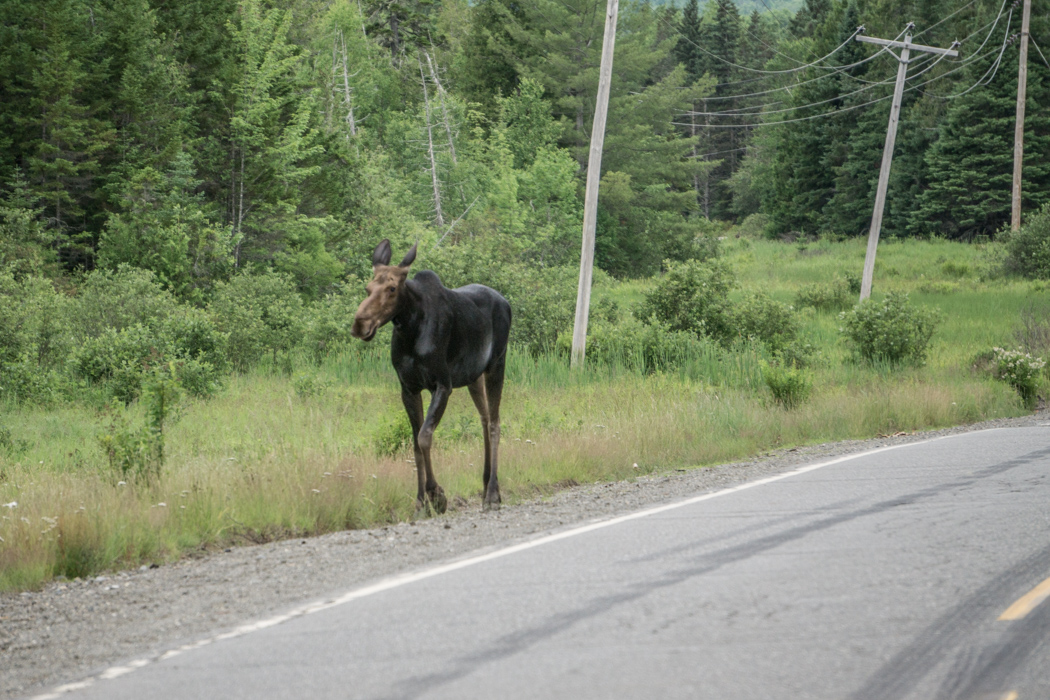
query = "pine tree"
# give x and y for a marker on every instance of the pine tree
(68, 139)
(970, 167)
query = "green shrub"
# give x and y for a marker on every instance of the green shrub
(641, 347)
(891, 330)
(1021, 371)
(1028, 248)
(798, 354)
(11, 446)
(34, 339)
(853, 281)
(394, 434)
(955, 269)
(122, 360)
(938, 287)
(767, 320)
(833, 296)
(259, 314)
(329, 320)
(192, 335)
(138, 453)
(790, 386)
(694, 296)
(118, 300)
(309, 385)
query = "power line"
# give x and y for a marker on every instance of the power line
(834, 113)
(788, 109)
(994, 23)
(756, 109)
(759, 70)
(1032, 39)
(916, 36)
(993, 69)
(788, 88)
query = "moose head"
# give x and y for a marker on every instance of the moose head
(384, 290)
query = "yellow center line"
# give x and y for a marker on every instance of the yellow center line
(1026, 603)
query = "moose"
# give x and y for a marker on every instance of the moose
(443, 339)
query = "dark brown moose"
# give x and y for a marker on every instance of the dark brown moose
(443, 339)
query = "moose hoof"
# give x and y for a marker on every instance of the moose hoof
(437, 500)
(491, 504)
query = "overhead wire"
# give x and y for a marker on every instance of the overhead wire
(945, 19)
(824, 114)
(787, 88)
(751, 110)
(759, 70)
(1032, 39)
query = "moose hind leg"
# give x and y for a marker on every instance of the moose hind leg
(493, 392)
(481, 402)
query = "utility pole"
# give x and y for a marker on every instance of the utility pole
(906, 47)
(594, 173)
(1022, 85)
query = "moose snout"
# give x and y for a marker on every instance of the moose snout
(363, 329)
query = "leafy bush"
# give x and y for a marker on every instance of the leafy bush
(259, 314)
(121, 358)
(643, 347)
(1020, 370)
(833, 296)
(11, 446)
(853, 281)
(309, 385)
(694, 296)
(393, 435)
(118, 300)
(329, 320)
(138, 453)
(791, 386)
(1028, 248)
(955, 269)
(767, 320)
(798, 354)
(891, 330)
(186, 342)
(34, 337)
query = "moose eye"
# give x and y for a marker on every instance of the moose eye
(391, 289)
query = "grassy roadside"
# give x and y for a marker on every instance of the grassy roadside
(277, 455)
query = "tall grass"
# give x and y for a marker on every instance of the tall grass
(280, 454)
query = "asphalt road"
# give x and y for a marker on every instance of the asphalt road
(881, 575)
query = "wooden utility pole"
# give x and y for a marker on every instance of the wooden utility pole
(1022, 85)
(594, 173)
(906, 47)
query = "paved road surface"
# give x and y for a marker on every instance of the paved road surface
(874, 577)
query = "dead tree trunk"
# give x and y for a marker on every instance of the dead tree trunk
(444, 107)
(438, 218)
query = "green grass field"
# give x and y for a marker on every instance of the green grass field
(277, 455)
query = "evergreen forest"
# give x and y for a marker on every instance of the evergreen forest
(202, 138)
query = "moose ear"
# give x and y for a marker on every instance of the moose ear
(410, 255)
(382, 253)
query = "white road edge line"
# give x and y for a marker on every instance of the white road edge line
(407, 578)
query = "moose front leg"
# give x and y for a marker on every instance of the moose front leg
(414, 408)
(438, 401)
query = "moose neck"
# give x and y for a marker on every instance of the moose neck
(409, 308)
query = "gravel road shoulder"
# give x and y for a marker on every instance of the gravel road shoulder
(74, 629)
